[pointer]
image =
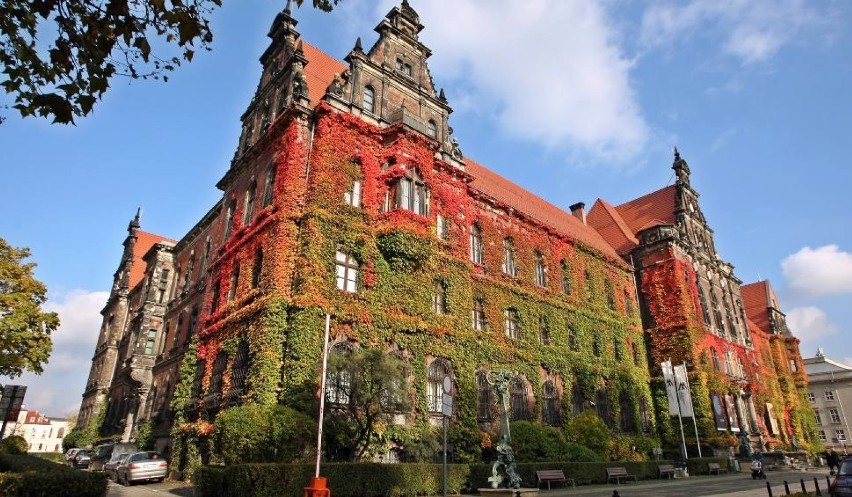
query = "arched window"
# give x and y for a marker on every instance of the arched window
(714, 358)
(229, 218)
(431, 128)
(510, 324)
(519, 399)
(368, 100)
(61, 433)
(602, 405)
(248, 203)
(729, 368)
(540, 270)
(477, 315)
(578, 400)
(219, 366)
(628, 424)
(551, 412)
(509, 257)
(241, 365)
(256, 268)
(205, 258)
(439, 369)
(412, 194)
(268, 186)
(484, 398)
(475, 244)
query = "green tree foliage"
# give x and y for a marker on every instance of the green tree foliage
(589, 430)
(533, 442)
(59, 56)
(25, 329)
(376, 389)
(145, 436)
(254, 433)
(14, 444)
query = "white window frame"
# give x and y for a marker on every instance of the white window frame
(353, 194)
(835, 415)
(510, 324)
(829, 395)
(347, 271)
(476, 254)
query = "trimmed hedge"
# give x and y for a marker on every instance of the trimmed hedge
(27, 476)
(398, 480)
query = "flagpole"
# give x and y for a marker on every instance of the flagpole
(694, 417)
(322, 393)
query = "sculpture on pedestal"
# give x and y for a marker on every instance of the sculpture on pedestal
(503, 471)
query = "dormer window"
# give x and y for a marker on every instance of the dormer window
(368, 100)
(412, 194)
(432, 129)
(404, 68)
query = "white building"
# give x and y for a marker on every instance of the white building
(830, 394)
(43, 434)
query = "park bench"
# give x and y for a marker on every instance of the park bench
(553, 475)
(714, 467)
(617, 474)
(667, 470)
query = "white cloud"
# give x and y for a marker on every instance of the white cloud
(750, 30)
(547, 71)
(824, 270)
(810, 324)
(58, 390)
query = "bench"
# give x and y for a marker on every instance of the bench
(666, 469)
(714, 467)
(617, 474)
(553, 475)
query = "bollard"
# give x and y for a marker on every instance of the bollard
(318, 488)
(802, 482)
(768, 489)
(816, 485)
(786, 488)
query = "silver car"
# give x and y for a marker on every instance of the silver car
(114, 462)
(142, 466)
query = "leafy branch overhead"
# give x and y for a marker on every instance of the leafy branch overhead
(59, 56)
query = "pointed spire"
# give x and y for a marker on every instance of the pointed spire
(289, 8)
(681, 168)
(442, 96)
(299, 49)
(358, 47)
(135, 223)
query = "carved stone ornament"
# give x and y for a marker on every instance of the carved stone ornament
(336, 86)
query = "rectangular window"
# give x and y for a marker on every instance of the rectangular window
(353, 195)
(347, 272)
(509, 258)
(149, 343)
(822, 436)
(442, 227)
(510, 324)
(475, 244)
(566, 279)
(811, 397)
(235, 280)
(248, 203)
(829, 395)
(540, 271)
(817, 417)
(268, 187)
(478, 315)
(841, 435)
(439, 298)
(835, 415)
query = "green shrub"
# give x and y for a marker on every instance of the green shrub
(466, 441)
(589, 430)
(533, 442)
(263, 434)
(27, 476)
(49, 456)
(14, 444)
(575, 452)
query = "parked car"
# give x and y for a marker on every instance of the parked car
(842, 484)
(114, 462)
(104, 452)
(81, 459)
(142, 466)
(70, 454)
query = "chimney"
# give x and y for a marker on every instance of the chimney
(578, 212)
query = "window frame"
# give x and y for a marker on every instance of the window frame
(370, 107)
(479, 321)
(476, 247)
(540, 270)
(349, 265)
(511, 323)
(438, 369)
(510, 267)
(352, 196)
(248, 202)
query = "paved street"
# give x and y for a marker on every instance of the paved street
(730, 485)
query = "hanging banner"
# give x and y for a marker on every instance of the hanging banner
(684, 397)
(671, 388)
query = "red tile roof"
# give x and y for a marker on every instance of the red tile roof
(503, 190)
(756, 303)
(609, 223)
(144, 242)
(620, 225)
(319, 71)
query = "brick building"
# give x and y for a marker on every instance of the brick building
(348, 195)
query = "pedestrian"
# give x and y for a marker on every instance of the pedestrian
(833, 461)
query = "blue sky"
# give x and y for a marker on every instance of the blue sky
(572, 100)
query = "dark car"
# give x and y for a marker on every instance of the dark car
(142, 466)
(70, 454)
(81, 459)
(103, 453)
(842, 484)
(114, 462)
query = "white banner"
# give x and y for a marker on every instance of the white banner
(671, 388)
(683, 395)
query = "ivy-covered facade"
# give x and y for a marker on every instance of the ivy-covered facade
(348, 196)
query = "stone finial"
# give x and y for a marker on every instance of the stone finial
(358, 46)
(288, 9)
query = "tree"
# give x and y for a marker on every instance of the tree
(374, 390)
(93, 41)
(24, 328)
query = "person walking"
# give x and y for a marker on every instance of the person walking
(833, 461)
